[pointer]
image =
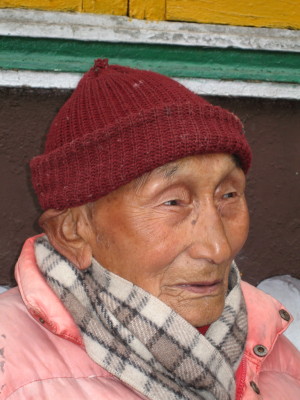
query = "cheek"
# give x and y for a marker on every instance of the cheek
(237, 230)
(142, 245)
(148, 224)
(153, 232)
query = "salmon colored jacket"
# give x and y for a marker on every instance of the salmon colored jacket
(42, 354)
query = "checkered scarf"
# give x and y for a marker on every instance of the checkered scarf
(141, 340)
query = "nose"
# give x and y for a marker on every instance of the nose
(209, 238)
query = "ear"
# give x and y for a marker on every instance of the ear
(69, 232)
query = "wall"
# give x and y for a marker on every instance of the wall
(269, 13)
(272, 128)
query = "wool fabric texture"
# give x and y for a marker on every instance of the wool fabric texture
(120, 123)
(141, 340)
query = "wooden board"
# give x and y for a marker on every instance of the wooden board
(147, 9)
(58, 55)
(268, 13)
(114, 7)
(57, 5)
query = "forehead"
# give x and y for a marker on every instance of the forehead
(219, 163)
(206, 171)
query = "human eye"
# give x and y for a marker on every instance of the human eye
(175, 198)
(229, 195)
(172, 202)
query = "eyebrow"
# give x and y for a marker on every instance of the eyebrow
(168, 170)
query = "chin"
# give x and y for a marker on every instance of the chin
(204, 316)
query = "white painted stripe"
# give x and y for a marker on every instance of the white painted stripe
(37, 79)
(214, 87)
(211, 87)
(108, 28)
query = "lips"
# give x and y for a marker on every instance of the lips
(203, 288)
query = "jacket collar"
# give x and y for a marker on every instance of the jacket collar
(267, 319)
(41, 302)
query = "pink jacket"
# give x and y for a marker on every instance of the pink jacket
(42, 355)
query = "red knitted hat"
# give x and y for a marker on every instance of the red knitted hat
(120, 123)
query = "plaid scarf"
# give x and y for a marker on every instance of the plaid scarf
(141, 340)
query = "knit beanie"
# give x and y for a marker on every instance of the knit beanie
(120, 123)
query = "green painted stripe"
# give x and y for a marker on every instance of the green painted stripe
(177, 61)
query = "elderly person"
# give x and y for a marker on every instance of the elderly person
(133, 292)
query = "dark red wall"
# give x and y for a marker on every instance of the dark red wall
(272, 128)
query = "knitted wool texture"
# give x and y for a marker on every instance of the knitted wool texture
(120, 123)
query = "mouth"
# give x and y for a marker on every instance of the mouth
(203, 288)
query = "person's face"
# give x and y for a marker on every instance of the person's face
(174, 233)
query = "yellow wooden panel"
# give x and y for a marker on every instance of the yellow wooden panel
(267, 13)
(147, 9)
(114, 7)
(57, 5)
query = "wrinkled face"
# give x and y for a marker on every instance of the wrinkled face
(174, 232)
